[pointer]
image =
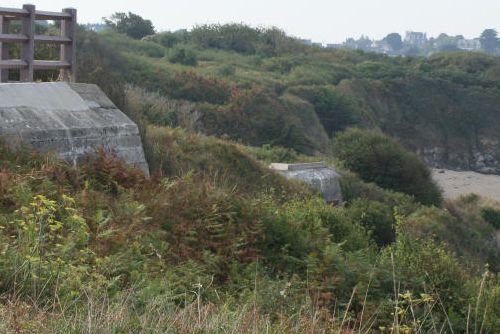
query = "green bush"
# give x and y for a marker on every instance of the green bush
(336, 112)
(167, 39)
(491, 216)
(378, 158)
(422, 266)
(244, 39)
(189, 85)
(226, 70)
(460, 229)
(376, 218)
(270, 154)
(183, 55)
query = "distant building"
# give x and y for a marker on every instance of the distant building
(469, 44)
(363, 43)
(334, 46)
(381, 47)
(97, 27)
(306, 42)
(415, 38)
(350, 43)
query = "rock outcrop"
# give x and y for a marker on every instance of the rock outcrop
(71, 120)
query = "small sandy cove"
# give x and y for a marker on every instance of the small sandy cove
(456, 183)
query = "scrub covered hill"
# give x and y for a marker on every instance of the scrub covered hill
(215, 242)
(260, 86)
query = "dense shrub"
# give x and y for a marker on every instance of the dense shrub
(226, 70)
(138, 47)
(491, 216)
(175, 152)
(354, 188)
(236, 37)
(376, 218)
(270, 154)
(336, 112)
(244, 39)
(460, 228)
(194, 87)
(380, 159)
(168, 39)
(182, 55)
(256, 114)
(424, 268)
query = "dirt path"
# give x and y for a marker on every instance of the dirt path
(455, 183)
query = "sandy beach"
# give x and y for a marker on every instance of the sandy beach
(456, 183)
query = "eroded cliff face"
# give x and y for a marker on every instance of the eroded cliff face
(483, 158)
(70, 120)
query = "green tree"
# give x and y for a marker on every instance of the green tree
(445, 43)
(131, 24)
(395, 41)
(489, 40)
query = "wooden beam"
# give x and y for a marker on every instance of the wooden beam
(4, 48)
(51, 39)
(12, 38)
(37, 64)
(42, 15)
(13, 12)
(68, 51)
(13, 64)
(28, 48)
(50, 64)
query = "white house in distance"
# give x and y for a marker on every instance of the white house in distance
(381, 47)
(415, 38)
(469, 44)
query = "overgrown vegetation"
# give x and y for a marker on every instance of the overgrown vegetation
(302, 96)
(223, 241)
(214, 241)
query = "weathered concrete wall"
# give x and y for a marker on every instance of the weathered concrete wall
(317, 174)
(71, 120)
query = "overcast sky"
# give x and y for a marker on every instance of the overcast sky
(321, 20)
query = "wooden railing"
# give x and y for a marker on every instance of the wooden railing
(28, 40)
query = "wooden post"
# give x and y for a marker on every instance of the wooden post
(4, 48)
(28, 48)
(68, 54)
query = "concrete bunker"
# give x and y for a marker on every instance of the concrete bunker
(69, 119)
(317, 174)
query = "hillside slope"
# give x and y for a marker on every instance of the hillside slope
(263, 87)
(218, 243)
